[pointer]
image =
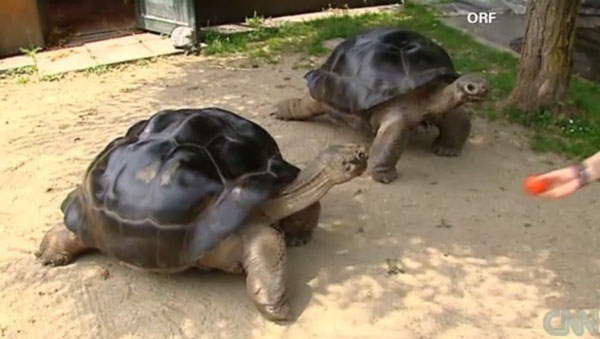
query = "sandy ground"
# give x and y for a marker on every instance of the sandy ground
(475, 257)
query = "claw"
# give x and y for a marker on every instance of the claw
(59, 247)
(385, 177)
(295, 241)
(445, 151)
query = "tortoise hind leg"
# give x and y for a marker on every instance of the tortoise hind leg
(60, 247)
(264, 261)
(298, 227)
(454, 128)
(297, 108)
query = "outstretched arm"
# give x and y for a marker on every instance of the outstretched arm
(568, 180)
(593, 166)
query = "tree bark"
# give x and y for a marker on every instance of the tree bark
(547, 54)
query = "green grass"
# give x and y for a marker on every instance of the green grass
(101, 69)
(293, 37)
(31, 51)
(27, 74)
(255, 21)
(52, 77)
(575, 135)
(20, 72)
(22, 80)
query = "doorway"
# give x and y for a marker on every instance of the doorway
(71, 23)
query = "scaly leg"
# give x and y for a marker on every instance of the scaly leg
(297, 108)
(298, 227)
(387, 147)
(264, 261)
(454, 128)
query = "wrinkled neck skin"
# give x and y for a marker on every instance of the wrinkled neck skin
(312, 183)
(443, 99)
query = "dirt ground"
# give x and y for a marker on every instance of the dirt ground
(453, 249)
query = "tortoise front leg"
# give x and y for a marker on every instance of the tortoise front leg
(264, 261)
(454, 127)
(297, 108)
(60, 247)
(298, 227)
(387, 147)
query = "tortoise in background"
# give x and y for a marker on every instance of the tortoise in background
(199, 188)
(387, 81)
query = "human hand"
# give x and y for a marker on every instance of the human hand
(562, 182)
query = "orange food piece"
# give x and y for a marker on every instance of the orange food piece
(533, 185)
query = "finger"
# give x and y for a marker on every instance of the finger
(561, 191)
(561, 174)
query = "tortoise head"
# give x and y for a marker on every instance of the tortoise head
(472, 88)
(344, 162)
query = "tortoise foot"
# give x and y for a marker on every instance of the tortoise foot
(264, 261)
(385, 177)
(59, 247)
(49, 258)
(445, 151)
(302, 108)
(297, 240)
(423, 128)
(298, 228)
(279, 314)
(284, 109)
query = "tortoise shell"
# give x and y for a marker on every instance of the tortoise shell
(375, 66)
(175, 185)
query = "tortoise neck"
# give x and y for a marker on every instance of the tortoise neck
(312, 183)
(443, 99)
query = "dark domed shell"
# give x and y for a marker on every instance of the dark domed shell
(177, 184)
(376, 66)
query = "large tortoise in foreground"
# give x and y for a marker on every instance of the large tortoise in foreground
(387, 81)
(199, 188)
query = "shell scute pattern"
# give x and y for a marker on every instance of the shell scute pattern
(376, 66)
(175, 185)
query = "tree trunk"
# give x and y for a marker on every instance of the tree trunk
(547, 53)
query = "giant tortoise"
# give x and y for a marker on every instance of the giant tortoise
(201, 188)
(387, 81)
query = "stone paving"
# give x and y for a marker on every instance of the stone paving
(18, 61)
(93, 54)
